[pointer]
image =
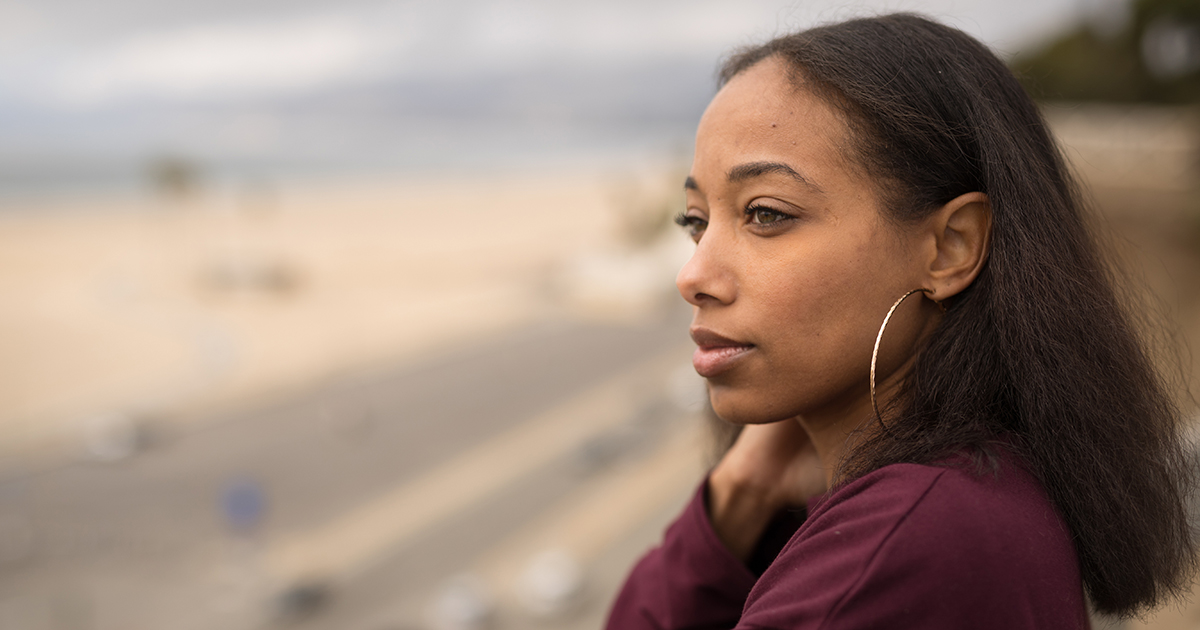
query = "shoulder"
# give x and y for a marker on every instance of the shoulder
(909, 539)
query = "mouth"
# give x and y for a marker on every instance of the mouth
(716, 353)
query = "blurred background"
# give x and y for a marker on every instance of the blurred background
(361, 314)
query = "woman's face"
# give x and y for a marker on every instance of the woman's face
(795, 266)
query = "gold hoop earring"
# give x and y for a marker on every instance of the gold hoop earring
(879, 337)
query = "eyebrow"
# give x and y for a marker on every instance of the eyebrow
(751, 170)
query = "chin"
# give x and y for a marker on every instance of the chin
(744, 407)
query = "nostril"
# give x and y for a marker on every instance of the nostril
(703, 280)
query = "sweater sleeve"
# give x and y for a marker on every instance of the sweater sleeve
(913, 547)
(691, 581)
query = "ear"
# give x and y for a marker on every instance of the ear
(959, 235)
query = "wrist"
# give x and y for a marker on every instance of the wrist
(739, 508)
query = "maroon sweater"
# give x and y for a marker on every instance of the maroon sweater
(906, 546)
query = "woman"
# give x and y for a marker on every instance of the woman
(1001, 445)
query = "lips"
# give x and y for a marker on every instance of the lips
(716, 353)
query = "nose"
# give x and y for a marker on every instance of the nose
(707, 279)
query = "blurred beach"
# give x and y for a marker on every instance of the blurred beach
(166, 308)
(217, 328)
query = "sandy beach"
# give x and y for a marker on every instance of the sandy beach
(163, 309)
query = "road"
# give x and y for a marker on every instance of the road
(567, 444)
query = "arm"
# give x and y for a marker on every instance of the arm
(698, 578)
(691, 581)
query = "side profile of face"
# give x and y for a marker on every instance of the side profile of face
(795, 265)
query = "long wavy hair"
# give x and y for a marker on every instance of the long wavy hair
(1040, 350)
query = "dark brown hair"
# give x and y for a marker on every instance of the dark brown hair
(1039, 350)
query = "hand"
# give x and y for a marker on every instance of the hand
(769, 467)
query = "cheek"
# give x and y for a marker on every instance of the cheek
(819, 316)
(825, 292)
(814, 303)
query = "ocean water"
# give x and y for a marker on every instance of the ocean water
(547, 117)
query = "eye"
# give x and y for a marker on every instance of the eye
(693, 225)
(762, 215)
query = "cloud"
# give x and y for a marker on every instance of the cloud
(221, 59)
(318, 45)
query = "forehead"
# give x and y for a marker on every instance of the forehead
(762, 115)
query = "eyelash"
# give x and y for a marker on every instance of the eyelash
(695, 225)
(692, 225)
(754, 209)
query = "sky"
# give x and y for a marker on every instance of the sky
(89, 85)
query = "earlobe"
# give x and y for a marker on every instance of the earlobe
(961, 233)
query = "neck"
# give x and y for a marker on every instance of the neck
(833, 430)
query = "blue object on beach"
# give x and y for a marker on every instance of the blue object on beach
(243, 502)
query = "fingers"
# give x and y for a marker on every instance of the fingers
(769, 467)
(776, 461)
